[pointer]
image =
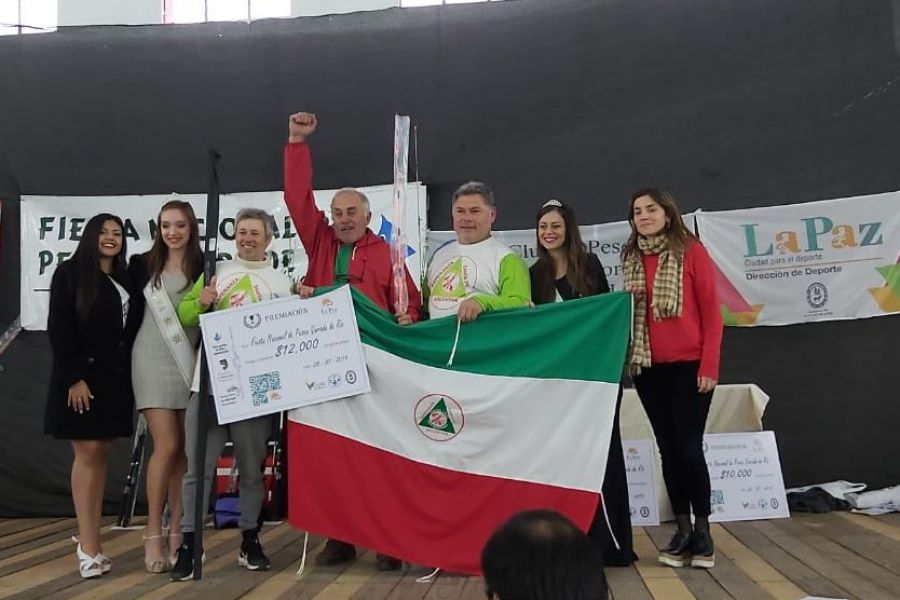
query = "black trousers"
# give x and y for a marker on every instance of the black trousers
(678, 412)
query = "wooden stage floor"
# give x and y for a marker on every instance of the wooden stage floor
(836, 555)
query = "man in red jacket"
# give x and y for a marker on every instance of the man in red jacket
(344, 252)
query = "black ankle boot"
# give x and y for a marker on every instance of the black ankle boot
(676, 553)
(703, 554)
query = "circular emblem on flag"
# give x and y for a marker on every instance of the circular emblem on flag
(439, 417)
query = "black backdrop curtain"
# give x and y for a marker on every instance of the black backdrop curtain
(727, 104)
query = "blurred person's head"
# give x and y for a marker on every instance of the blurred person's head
(541, 555)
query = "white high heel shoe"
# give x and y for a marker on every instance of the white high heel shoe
(105, 563)
(89, 566)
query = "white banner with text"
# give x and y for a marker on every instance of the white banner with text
(51, 228)
(798, 263)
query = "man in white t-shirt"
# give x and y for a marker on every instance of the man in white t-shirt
(475, 273)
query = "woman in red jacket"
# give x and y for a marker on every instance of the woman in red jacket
(675, 359)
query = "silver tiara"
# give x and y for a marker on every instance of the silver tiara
(552, 202)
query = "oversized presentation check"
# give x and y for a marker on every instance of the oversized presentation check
(282, 354)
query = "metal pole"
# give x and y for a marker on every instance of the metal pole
(203, 416)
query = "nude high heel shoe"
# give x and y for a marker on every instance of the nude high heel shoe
(157, 564)
(175, 540)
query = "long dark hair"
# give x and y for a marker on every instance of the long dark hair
(86, 259)
(678, 235)
(544, 270)
(191, 262)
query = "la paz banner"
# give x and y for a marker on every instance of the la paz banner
(440, 452)
(798, 263)
(52, 225)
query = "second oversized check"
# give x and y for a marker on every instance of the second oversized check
(283, 354)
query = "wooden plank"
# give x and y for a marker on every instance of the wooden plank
(889, 519)
(59, 573)
(128, 579)
(382, 584)
(662, 582)
(352, 579)
(221, 551)
(57, 533)
(626, 583)
(746, 578)
(10, 543)
(14, 526)
(871, 545)
(876, 524)
(728, 575)
(735, 581)
(698, 581)
(46, 548)
(703, 585)
(410, 589)
(314, 579)
(222, 565)
(224, 579)
(837, 555)
(474, 589)
(793, 569)
(448, 586)
(795, 540)
(285, 579)
(823, 532)
(764, 574)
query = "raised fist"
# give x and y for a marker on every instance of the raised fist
(300, 125)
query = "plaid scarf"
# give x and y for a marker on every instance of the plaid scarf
(668, 294)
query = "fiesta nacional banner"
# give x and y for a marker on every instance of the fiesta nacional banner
(798, 263)
(51, 228)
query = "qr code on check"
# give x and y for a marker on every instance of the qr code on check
(717, 497)
(265, 387)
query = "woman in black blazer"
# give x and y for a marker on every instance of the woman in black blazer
(566, 270)
(89, 401)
